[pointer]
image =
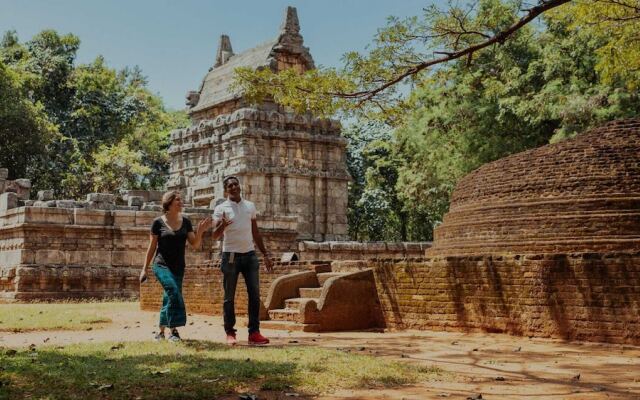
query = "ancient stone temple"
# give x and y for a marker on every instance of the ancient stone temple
(292, 166)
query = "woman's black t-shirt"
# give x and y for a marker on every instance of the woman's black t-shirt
(171, 244)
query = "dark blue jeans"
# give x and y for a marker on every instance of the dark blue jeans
(246, 264)
(172, 313)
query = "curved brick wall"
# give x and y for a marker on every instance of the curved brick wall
(580, 195)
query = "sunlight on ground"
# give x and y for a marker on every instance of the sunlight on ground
(50, 316)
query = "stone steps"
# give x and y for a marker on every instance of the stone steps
(350, 306)
(310, 292)
(294, 303)
(284, 314)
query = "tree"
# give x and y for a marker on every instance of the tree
(25, 129)
(539, 87)
(97, 110)
(616, 24)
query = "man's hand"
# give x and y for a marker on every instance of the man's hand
(268, 264)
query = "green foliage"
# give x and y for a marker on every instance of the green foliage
(540, 86)
(615, 23)
(25, 129)
(114, 131)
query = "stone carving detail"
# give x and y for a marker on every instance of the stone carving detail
(192, 98)
(225, 52)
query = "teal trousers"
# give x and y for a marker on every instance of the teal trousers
(173, 313)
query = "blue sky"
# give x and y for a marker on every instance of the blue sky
(174, 42)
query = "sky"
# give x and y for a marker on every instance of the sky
(174, 42)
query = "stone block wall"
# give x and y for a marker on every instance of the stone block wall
(49, 253)
(21, 187)
(574, 296)
(202, 287)
(58, 252)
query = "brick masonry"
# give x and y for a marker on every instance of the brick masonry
(581, 195)
(578, 296)
(348, 250)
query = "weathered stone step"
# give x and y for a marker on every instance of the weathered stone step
(322, 278)
(284, 314)
(311, 292)
(289, 326)
(320, 268)
(294, 303)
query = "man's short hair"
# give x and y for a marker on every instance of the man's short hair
(227, 179)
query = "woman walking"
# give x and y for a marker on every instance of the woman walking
(169, 234)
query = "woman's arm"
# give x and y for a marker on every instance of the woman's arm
(151, 252)
(195, 239)
(220, 225)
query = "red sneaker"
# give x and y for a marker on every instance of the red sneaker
(231, 339)
(257, 339)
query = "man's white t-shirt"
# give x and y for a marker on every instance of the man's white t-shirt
(237, 236)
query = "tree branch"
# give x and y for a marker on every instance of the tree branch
(498, 38)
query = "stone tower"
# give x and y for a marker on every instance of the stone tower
(292, 166)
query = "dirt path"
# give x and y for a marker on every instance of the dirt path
(531, 368)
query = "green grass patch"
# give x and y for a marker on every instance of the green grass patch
(194, 369)
(54, 316)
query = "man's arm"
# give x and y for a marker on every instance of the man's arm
(257, 238)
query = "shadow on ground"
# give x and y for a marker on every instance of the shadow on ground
(55, 373)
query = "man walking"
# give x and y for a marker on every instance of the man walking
(235, 219)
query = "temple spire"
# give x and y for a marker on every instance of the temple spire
(224, 51)
(290, 25)
(290, 29)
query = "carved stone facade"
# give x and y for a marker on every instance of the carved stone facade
(292, 166)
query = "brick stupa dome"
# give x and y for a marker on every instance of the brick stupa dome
(579, 195)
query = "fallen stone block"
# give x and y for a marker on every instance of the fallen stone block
(151, 207)
(135, 201)
(100, 198)
(45, 195)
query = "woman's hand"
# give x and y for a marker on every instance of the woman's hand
(143, 275)
(205, 224)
